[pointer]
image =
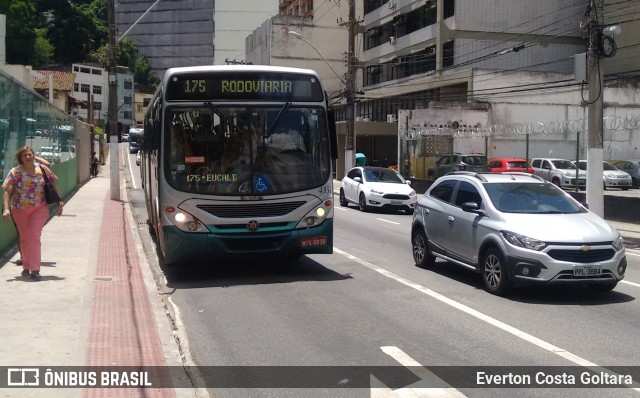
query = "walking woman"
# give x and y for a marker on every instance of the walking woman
(24, 199)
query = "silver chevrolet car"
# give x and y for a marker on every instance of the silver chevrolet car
(514, 229)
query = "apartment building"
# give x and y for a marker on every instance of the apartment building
(90, 89)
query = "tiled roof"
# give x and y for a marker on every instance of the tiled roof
(61, 80)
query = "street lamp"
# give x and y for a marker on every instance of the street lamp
(299, 36)
(350, 145)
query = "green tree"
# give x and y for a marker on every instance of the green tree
(144, 78)
(21, 34)
(43, 50)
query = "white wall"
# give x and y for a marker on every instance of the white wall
(233, 21)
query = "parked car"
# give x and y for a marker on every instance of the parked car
(459, 161)
(138, 158)
(498, 165)
(633, 168)
(515, 229)
(50, 154)
(561, 172)
(612, 177)
(377, 187)
(124, 137)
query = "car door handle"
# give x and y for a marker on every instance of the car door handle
(450, 219)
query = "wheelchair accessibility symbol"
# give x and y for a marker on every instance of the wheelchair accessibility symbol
(262, 184)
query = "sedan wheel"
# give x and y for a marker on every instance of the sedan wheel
(343, 199)
(494, 273)
(362, 202)
(420, 248)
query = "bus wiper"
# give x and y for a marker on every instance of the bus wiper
(284, 108)
(223, 118)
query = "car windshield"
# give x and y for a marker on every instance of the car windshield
(531, 198)
(563, 164)
(383, 175)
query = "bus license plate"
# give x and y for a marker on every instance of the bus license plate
(313, 241)
(587, 270)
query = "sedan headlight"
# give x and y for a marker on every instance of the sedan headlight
(523, 241)
(618, 243)
(412, 194)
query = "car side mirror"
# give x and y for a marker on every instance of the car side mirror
(472, 207)
(357, 179)
(408, 182)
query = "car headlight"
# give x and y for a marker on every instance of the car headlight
(412, 194)
(377, 192)
(523, 241)
(618, 243)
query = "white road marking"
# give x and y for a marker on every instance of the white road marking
(133, 180)
(389, 221)
(340, 208)
(632, 254)
(631, 283)
(481, 316)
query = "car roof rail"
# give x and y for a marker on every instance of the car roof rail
(476, 174)
(522, 173)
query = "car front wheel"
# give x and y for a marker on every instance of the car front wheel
(494, 272)
(362, 203)
(343, 199)
(420, 247)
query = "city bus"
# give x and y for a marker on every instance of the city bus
(237, 163)
(135, 139)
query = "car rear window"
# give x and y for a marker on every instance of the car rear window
(474, 160)
(517, 164)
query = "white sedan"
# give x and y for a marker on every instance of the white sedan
(377, 188)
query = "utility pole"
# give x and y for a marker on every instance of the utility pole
(350, 137)
(113, 105)
(595, 76)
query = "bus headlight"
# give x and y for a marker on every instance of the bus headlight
(185, 221)
(313, 218)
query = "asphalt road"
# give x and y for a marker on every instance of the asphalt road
(368, 305)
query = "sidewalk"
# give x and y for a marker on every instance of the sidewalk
(96, 305)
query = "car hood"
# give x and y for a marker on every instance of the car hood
(387, 187)
(615, 173)
(572, 172)
(578, 228)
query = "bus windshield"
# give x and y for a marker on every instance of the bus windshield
(246, 150)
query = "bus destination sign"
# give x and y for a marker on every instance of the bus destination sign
(247, 86)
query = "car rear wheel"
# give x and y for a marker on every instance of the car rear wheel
(362, 202)
(494, 272)
(420, 248)
(343, 199)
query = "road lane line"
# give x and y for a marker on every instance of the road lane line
(339, 208)
(632, 254)
(631, 283)
(389, 221)
(481, 316)
(133, 180)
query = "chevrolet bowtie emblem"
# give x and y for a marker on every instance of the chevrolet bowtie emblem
(585, 248)
(253, 225)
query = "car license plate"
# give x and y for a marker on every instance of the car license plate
(313, 241)
(396, 203)
(587, 270)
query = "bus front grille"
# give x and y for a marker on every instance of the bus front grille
(253, 210)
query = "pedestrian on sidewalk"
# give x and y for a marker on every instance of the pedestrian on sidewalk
(46, 163)
(24, 199)
(94, 164)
